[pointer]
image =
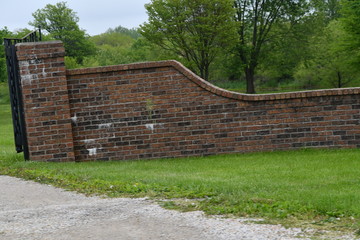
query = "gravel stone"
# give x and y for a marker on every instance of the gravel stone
(33, 211)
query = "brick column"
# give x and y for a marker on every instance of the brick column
(46, 102)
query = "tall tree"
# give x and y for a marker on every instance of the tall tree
(291, 44)
(61, 23)
(195, 30)
(256, 19)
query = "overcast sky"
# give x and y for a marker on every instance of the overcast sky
(96, 16)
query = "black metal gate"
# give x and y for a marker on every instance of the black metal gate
(15, 89)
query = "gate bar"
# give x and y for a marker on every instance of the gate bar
(14, 83)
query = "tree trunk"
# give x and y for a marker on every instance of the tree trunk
(207, 72)
(249, 74)
(339, 79)
(204, 71)
(202, 75)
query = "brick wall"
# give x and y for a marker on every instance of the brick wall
(46, 103)
(161, 109)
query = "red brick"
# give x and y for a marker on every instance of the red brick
(155, 109)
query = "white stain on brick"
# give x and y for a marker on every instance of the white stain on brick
(89, 141)
(24, 64)
(44, 74)
(151, 126)
(74, 118)
(35, 60)
(92, 151)
(26, 77)
(105, 125)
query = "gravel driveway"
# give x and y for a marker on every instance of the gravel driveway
(30, 210)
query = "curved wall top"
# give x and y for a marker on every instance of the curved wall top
(214, 89)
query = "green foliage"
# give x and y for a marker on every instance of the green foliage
(22, 32)
(4, 93)
(256, 20)
(284, 49)
(289, 46)
(71, 63)
(112, 48)
(327, 9)
(330, 65)
(143, 50)
(133, 33)
(113, 39)
(121, 46)
(108, 55)
(237, 86)
(6, 128)
(61, 23)
(3, 73)
(351, 22)
(194, 30)
(4, 33)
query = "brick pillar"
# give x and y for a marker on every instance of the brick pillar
(46, 102)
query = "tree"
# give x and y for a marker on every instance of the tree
(256, 19)
(142, 50)
(61, 23)
(5, 33)
(120, 46)
(291, 44)
(330, 63)
(194, 30)
(133, 32)
(280, 57)
(351, 22)
(113, 39)
(329, 9)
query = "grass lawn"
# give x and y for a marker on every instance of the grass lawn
(6, 129)
(306, 188)
(4, 93)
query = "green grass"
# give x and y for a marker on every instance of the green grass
(306, 188)
(6, 128)
(4, 93)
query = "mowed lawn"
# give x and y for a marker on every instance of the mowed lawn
(319, 186)
(6, 128)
